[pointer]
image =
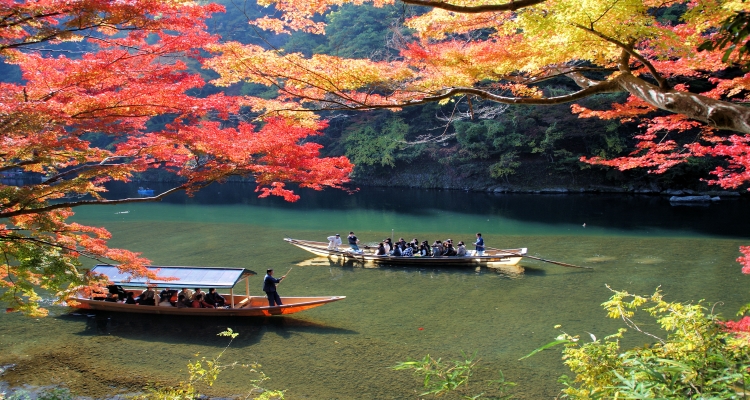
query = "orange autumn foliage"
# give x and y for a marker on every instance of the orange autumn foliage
(133, 67)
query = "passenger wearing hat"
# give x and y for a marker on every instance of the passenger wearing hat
(334, 242)
(269, 286)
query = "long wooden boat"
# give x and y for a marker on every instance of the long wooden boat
(505, 257)
(193, 277)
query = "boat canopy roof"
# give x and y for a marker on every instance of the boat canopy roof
(178, 277)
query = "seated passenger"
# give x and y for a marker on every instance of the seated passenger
(214, 298)
(195, 295)
(388, 245)
(450, 251)
(423, 250)
(165, 297)
(426, 245)
(461, 251)
(187, 293)
(182, 301)
(199, 301)
(407, 252)
(147, 297)
(396, 251)
(437, 249)
(130, 299)
(117, 290)
(381, 250)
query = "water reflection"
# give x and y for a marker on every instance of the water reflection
(195, 331)
(508, 271)
(609, 211)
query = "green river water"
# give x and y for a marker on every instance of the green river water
(344, 350)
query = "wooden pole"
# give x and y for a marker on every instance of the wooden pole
(541, 259)
(287, 273)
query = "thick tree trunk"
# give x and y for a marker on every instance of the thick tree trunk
(716, 113)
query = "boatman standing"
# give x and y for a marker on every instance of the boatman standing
(479, 245)
(353, 241)
(269, 286)
(334, 242)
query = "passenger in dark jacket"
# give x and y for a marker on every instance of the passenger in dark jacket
(381, 250)
(214, 298)
(450, 251)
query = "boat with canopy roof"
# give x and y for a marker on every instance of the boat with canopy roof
(177, 277)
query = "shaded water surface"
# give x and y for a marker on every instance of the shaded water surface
(344, 350)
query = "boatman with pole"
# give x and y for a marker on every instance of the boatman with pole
(269, 286)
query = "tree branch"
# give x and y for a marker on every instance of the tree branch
(70, 204)
(510, 6)
(629, 49)
(717, 113)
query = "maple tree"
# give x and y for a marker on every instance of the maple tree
(500, 51)
(99, 67)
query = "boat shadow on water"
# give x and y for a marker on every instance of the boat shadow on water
(194, 330)
(505, 271)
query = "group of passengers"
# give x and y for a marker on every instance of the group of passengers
(170, 298)
(402, 248)
(415, 248)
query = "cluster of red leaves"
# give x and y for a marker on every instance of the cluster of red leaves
(740, 329)
(735, 150)
(670, 140)
(744, 260)
(133, 67)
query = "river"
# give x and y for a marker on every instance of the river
(343, 350)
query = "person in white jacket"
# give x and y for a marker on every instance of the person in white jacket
(334, 242)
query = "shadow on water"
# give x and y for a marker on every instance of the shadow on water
(510, 271)
(193, 330)
(616, 211)
(539, 272)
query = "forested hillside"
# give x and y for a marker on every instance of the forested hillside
(453, 144)
(459, 145)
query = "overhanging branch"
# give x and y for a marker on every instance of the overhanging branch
(601, 87)
(629, 49)
(79, 203)
(510, 6)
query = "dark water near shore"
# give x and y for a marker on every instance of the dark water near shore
(344, 350)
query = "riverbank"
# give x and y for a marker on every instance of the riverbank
(536, 179)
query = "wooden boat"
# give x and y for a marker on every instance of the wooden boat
(491, 258)
(193, 277)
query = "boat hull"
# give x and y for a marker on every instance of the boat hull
(491, 258)
(255, 306)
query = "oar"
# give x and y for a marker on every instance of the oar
(541, 259)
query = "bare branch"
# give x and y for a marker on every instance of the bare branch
(70, 204)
